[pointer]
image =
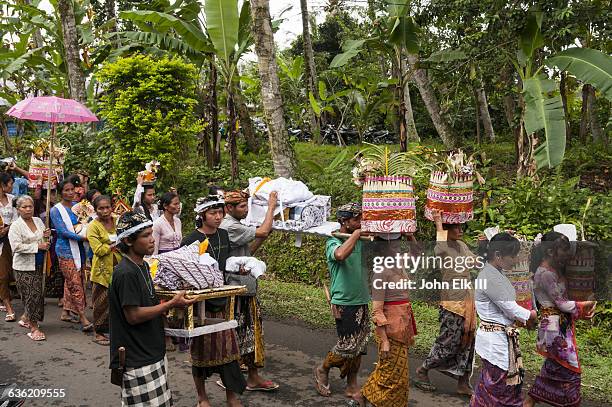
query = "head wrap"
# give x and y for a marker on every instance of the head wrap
(130, 223)
(236, 197)
(205, 203)
(349, 210)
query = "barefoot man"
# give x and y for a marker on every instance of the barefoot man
(350, 296)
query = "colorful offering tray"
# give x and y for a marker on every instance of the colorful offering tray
(453, 196)
(388, 205)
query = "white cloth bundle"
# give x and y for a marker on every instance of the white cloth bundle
(289, 191)
(184, 269)
(255, 266)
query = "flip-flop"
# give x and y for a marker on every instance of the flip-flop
(10, 318)
(103, 342)
(322, 389)
(70, 319)
(23, 324)
(268, 385)
(39, 338)
(425, 386)
(87, 328)
(2, 308)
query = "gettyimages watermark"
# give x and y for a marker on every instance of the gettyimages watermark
(433, 271)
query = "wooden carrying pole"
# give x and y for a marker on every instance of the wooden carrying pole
(48, 209)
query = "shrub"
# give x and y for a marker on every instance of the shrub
(148, 105)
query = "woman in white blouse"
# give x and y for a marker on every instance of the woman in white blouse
(27, 238)
(501, 376)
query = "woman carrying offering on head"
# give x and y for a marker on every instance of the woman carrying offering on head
(558, 383)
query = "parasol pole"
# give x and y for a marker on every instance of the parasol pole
(48, 209)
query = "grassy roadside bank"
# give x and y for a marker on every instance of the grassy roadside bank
(307, 304)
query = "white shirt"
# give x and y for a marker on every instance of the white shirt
(24, 243)
(496, 303)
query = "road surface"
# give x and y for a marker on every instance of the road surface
(69, 360)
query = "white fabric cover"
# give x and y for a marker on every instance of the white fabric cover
(255, 266)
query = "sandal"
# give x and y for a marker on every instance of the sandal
(322, 389)
(102, 341)
(33, 336)
(425, 386)
(87, 328)
(10, 318)
(23, 324)
(70, 319)
(268, 385)
(2, 308)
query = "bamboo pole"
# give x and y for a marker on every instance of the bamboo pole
(48, 209)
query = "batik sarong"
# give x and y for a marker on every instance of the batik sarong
(250, 332)
(74, 292)
(353, 329)
(387, 385)
(146, 386)
(6, 271)
(29, 285)
(491, 388)
(556, 385)
(448, 353)
(218, 352)
(99, 298)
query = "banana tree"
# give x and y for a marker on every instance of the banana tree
(542, 106)
(397, 37)
(222, 34)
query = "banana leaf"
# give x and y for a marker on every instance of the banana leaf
(222, 22)
(543, 112)
(587, 65)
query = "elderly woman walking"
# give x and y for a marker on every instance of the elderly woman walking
(27, 238)
(102, 234)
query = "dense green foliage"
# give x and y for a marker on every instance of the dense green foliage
(148, 106)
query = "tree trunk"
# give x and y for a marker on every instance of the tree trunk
(7, 140)
(76, 77)
(446, 132)
(213, 111)
(283, 155)
(231, 132)
(311, 72)
(563, 92)
(477, 116)
(525, 146)
(483, 107)
(399, 98)
(510, 107)
(246, 123)
(596, 130)
(584, 113)
(411, 130)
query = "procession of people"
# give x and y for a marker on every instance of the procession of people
(110, 261)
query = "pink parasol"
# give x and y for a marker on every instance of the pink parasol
(54, 110)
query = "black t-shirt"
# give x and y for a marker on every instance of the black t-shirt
(144, 343)
(218, 248)
(218, 244)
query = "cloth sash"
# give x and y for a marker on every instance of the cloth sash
(516, 372)
(74, 245)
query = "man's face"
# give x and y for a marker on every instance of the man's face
(353, 223)
(144, 245)
(238, 211)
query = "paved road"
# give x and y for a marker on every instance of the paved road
(70, 360)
